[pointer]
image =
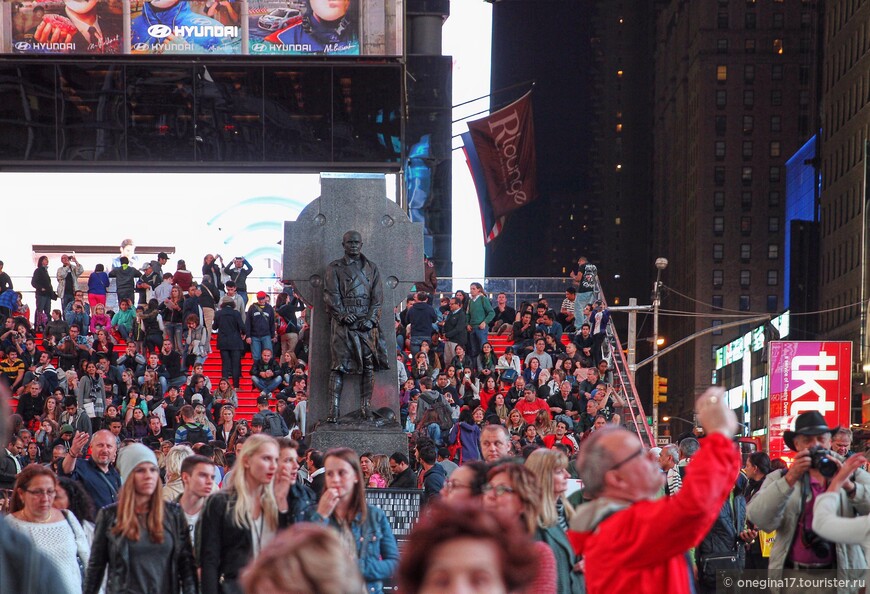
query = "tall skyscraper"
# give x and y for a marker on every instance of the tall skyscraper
(734, 98)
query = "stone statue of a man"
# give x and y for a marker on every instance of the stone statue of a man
(353, 295)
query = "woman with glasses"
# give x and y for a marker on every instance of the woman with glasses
(513, 490)
(59, 535)
(466, 482)
(550, 468)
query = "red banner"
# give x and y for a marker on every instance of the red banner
(505, 143)
(807, 376)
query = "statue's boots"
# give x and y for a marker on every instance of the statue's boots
(336, 379)
(365, 392)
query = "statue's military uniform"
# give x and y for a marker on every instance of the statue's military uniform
(354, 287)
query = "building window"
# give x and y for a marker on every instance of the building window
(745, 225)
(721, 98)
(772, 303)
(775, 174)
(775, 123)
(716, 324)
(721, 73)
(745, 278)
(749, 46)
(777, 46)
(722, 19)
(748, 124)
(718, 225)
(747, 149)
(772, 278)
(719, 176)
(804, 98)
(721, 125)
(746, 176)
(773, 251)
(745, 251)
(773, 224)
(748, 98)
(749, 73)
(718, 200)
(718, 302)
(718, 252)
(804, 46)
(719, 149)
(744, 303)
(746, 200)
(718, 278)
(773, 198)
(776, 97)
(804, 75)
(722, 46)
(751, 20)
(775, 148)
(778, 20)
(776, 72)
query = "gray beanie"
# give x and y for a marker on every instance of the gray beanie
(132, 456)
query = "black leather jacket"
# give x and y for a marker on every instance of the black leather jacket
(113, 551)
(224, 548)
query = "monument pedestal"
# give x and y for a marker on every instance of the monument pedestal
(360, 438)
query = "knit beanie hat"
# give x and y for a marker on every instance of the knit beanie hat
(132, 456)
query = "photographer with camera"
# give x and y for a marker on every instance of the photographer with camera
(785, 504)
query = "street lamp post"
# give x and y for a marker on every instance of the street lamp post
(661, 264)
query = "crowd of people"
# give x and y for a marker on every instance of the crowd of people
(130, 471)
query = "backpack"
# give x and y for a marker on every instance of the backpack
(272, 424)
(196, 434)
(445, 415)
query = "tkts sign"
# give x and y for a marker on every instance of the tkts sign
(807, 376)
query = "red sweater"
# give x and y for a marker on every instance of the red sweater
(642, 548)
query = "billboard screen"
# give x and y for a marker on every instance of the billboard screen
(203, 27)
(71, 27)
(807, 376)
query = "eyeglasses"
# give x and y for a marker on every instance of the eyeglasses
(450, 485)
(41, 493)
(498, 490)
(638, 453)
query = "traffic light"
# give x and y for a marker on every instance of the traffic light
(660, 389)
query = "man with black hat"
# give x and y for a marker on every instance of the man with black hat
(785, 504)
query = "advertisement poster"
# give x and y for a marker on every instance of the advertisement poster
(807, 376)
(185, 27)
(67, 27)
(312, 27)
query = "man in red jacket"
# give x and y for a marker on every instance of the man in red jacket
(632, 542)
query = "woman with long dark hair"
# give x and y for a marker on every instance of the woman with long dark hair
(41, 283)
(141, 543)
(363, 528)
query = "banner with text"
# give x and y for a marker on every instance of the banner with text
(505, 145)
(807, 376)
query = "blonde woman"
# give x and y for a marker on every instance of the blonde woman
(237, 523)
(550, 468)
(141, 539)
(174, 487)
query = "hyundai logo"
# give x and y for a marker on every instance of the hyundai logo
(22, 46)
(258, 47)
(141, 47)
(159, 31)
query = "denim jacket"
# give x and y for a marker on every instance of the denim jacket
(376, 548)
